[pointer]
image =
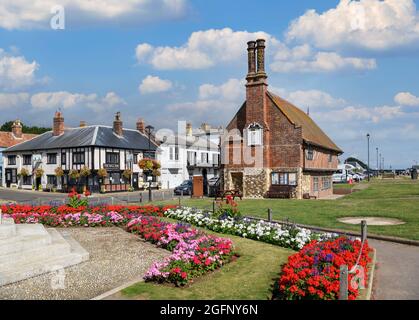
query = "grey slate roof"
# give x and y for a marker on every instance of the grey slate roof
(101, 136)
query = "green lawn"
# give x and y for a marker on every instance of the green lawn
(384, 198)
(249, 277)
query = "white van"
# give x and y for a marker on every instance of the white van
(343, 174)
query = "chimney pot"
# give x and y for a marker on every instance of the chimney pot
(261, 56)
(17, 129)
(117, 124)
(189, 129)
(83, 124)
(251, 54)
(140, 125)
(58, 125)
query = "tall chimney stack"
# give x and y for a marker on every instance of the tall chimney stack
(251, 59)
(58, 125)
(117, 124)
(260, 47)
(140, 125)
(17, 129)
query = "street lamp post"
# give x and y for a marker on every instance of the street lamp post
(149, 129)
(368, 170)
(377, 161)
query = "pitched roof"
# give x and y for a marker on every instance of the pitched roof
(312, 133)
(101, 136)
(7, 139)
(189, 141)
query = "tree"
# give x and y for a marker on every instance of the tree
(7, 126)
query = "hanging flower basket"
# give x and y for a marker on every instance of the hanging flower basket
(74, 174)
(24, 172)
(59, 172)
(150, 167)
(127, 174)
(39, 172)
(85, 172)
(102, 173)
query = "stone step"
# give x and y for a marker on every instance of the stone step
(37, 266)
(28, 236)
(58, 246)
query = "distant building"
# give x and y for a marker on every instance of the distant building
(9, 139)
(295, 154)
(115, 149)
(193, 153)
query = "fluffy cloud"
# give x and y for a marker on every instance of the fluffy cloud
(232, 90)
(370, 24)
(154, 84)
(16, 71)
(13, 100)
(64, 99)
(23, 14)
(407, 99)
(310, 98)
(205, 49)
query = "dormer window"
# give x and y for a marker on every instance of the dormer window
(254, 135)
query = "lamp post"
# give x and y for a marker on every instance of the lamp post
(377, 161)
(149, 129)
(368, 170)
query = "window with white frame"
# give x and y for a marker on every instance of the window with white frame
(254, 135)
(174, 153)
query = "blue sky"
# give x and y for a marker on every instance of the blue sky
(353, 63)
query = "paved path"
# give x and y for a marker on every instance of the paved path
(397, 272)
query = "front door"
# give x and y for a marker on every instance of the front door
(11, 177)
(237, 181)
(135, 180)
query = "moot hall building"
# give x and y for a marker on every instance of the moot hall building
(297, 159)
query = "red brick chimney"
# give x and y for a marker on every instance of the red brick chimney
(256, 91)
(117, 124)
(58, 126)
(17, 129)
(140, 125)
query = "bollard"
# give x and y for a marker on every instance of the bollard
(141, 197)
(363, 230)
(343, 283)
(270, 215)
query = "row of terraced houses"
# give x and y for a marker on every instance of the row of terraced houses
(293, 155)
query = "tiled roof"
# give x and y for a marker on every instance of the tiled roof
(312, 134)
(7, 139)
(87, 136)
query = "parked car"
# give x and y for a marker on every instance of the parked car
(184, 188)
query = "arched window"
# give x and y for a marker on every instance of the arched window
(254, 134)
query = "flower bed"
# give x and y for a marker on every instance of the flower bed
(193, 252)
(289, 237)
(313, 273)
(66, 216)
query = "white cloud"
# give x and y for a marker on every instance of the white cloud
(205, 49)
(16, 71)
(370, 24)
(407, 99)
(13, 100)
(232, 90)
(322, 62)
(310, 98)
(153, 84)
(64, 99)
(25, 14)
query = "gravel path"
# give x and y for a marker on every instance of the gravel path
(116, 257)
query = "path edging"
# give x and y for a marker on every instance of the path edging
(117, 289)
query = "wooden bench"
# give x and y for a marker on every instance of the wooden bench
(307, 196)
(281, 192)
(222, 194)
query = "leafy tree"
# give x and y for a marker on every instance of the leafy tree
(7, 126)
